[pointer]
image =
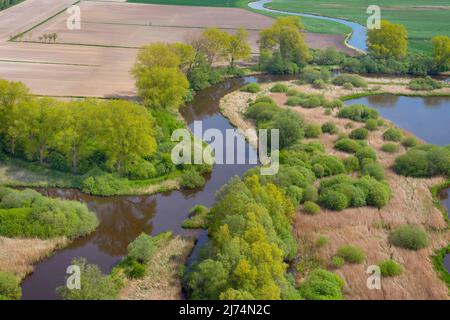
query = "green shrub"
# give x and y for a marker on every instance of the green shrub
(337, 262)
(351, 254)
(312, 130)
(197, 219)
(311, 207)
(409, 237)
(349, 145)
(377, 193)
(390, 268)
(136, 270)
(322, 285)
(331, 164)
(295, 193)
(426, 83)
(329, 127)
(390, 147)
(348, 86)
(318, 170)
(102, 183)
(413, 164)
(319, 84)
(334, 200)
(333, 104)
(359, 134)
(311, 75)
(351, 164)
(310, 194)
(358, 112)
(191, 179)
(94, 284)
(142, 248)
(353, 79)
(294, 101)
(321, 241)
(365, 153)
(251, 87)
(392, 134)
(371, 124)
(409, 142)
(29, 214)
(373, 169)
(9, 286)
(279, 87)
(292, 92)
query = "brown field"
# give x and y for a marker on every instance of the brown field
(19, 255)
(82, 64)
(366, 227)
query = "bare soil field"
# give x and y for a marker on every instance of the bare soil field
(365, 227)
(86, 62)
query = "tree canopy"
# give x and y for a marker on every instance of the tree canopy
(390, 41)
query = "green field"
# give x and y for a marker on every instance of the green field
(5, 4)
(423, 18)
(206, 3)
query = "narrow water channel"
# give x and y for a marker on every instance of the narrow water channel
(123, 218)
(428, 118)
(358, 36)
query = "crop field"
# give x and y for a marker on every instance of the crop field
(423, 19)
(96, 60)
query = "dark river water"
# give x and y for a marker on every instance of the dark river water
(122, 219)
(426, 117)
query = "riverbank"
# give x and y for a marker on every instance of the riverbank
(18, 256)
(365, 227)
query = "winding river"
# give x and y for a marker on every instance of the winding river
(357, 39)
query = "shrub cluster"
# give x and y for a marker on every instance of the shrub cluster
(279, 87)
(312, 75)
(251, 88)
(351, 254)
(353, 79)
(329, 127)
(390, 268)
(313, 130)
(341, 191)
(311, 207)
(359, 134)
(409, 237)
(29, 214)
(9, 287)
(426, 83)
(390, 147)
(322, 285)
(306, 100)
(393, 134)
(349, 145)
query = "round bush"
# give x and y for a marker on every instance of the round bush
(366, 153)
(192, 179)
(329, 127)
(413, 164)
(312, 130)
(295, 193)
(348, 145)
(334, 200)
(337, 262)
(321, 241)
(251, 87)
(318, 170)
(310, 194)
(351, 163)
(333, 104)
(351, 254)
(390, 268)
(410, 142)
(347, 86)
(135, 271)
(359, 134)
(311, 207)
(371, 124)
(322, 285)
(409, 237)
(319, 84)
(294, 101)
(9, 286)
(279, 87)
(392, 134)
(292, 92)
(390, 147)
